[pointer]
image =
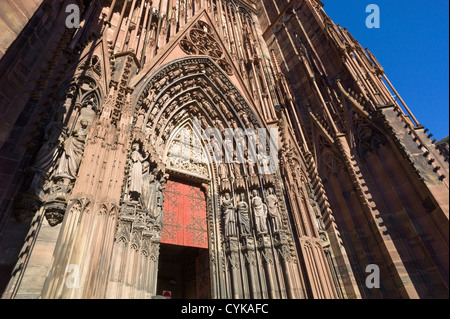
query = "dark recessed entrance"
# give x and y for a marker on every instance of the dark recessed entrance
(184, 271)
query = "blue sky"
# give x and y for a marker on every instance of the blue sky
(412, 45)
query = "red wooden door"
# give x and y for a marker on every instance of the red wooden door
(184, 219)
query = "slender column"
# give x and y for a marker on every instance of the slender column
(249, 253)
(110, 13)
(119, 24)
(263, 102)
(220, 18)
(148, 35)
(127, 27)
(366, 85)
(286, 260)
(239, 32)
(173, 18)
(269, 102)
(86, 22)
(145, 30)
(230, 38)
(416, 122)
(137, 27)
(267, 260)
(189, 9)
(305, 35)
(181, 13)
(233, 259)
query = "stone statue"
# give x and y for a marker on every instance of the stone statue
(274, 210)
(47, 156)
(159, 200)
(229, 216)
(315, 207)
(260, 213)
(136, 170)
(240, 143)
(229, 148)
(252, 142)
(263, 161)
(70, 160)
(147, 186)
(48, 152)
(140, 118)
(244, 219)
(310, 190)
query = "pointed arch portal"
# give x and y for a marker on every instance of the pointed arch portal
(196, 222)
(183, 268)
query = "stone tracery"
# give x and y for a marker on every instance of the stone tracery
(200, 41)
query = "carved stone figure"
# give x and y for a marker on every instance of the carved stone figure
(216, 148)
(89, 109)
(260, 213)
(47, 156)
(47, 153)
(159, 200)
(263, 161)
(229, 148)
(315, 207)
(147, 186)
(252, 141)
(73, 152)
(244, 219)
(140, 118)
(274, 210)
(150, 97)
(229, 216)
(240, 142)
(135, 188)
(252, 169)
(243, 115)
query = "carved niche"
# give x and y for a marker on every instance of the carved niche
(368, 139)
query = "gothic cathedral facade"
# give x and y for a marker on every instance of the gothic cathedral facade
(210, 149)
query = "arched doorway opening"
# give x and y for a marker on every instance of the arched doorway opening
(248, 254)
(183, 271)
(184, 257)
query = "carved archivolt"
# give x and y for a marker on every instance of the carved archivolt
(172, 116)
(189, 88)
